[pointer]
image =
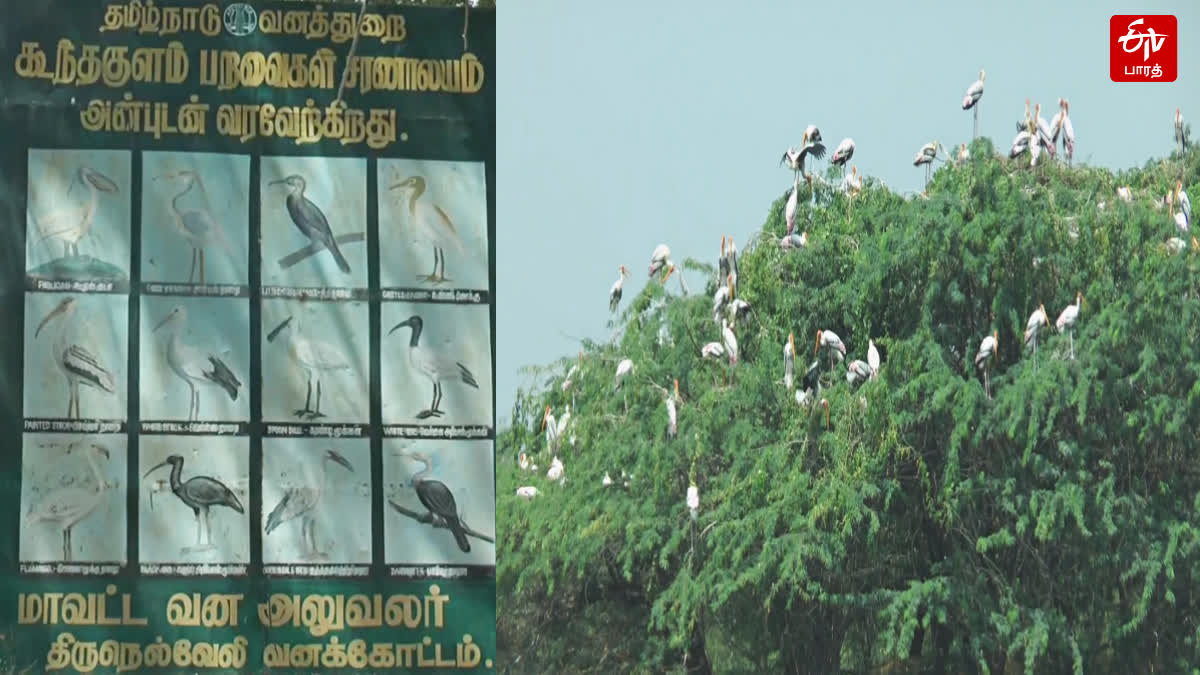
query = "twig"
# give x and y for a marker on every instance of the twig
(353, 48)
(428, 519)
(316, 247)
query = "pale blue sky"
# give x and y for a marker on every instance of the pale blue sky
(627, 124)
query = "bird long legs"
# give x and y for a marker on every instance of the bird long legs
(311, 412)
(194, 407)
(203, 533)
(67, 544)
(1071, 337)
(73, 400)
(308, 538)
(439, 263)
(433, 410)
(197, 260)
(975, 129)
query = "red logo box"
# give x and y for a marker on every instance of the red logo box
(1143, 48)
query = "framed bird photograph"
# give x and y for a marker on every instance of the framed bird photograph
(313, 215)
(77, 216)
(194, 500)
(73, 499)
(432, 225)
(316, 501)
(435, 364)
(439, 502)
(195, 218)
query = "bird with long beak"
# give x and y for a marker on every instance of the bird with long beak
(1183, 219)
(1066, 320)
(830, 340)
(671, 270)
(987, 354)
(614, 293)
(678, 398)
(1036, 320)
(1023, 125)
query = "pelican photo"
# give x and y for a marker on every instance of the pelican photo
(75, 355)
(72, 501)
(314, 221)
(195, 218)
(193, 499)
(195, 359)
(316, 501)
(440, 501)
(77, 215)
(432, 224)
(436, 364)
(314, 361)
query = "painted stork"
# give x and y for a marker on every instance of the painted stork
(712, 350)
(693, 500)
(858, 371)
(659, 259)
(832, 343)
(963, 153)
(983, 359)
(971, 100)
(794, 159)
(614, 293)
(926, 155)
(624, 368)
(730, 341)
(812, 133)
(873, 358)
(1066, 320)
(556, 472)
(1036, 320)
(672, 415)
(843, 153)
(671, 270)
(794, 241)
(789, 361)
(78, 364)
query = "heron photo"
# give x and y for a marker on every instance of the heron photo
(193, 500)
(436, 364)
(76, 350)
(195, 217)
(77, 215)
(432, 224)
(314, 222)
(314, 361)
(73, 498)
(195, 359)
(439, 505)
(316, 501)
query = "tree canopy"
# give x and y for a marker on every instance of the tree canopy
(1053, 527)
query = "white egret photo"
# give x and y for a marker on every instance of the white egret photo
(314, 222)
(193, 499)
(440, 502)
(195, 217)
(195, 359)
(72, 498)
(432, 224)
(316, 501)
(76, 350)
(436, 364)
(314, 361)
(77, 215)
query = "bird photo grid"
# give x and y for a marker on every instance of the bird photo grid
(253, 364)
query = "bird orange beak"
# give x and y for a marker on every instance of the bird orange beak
(545, 416)
(670, 271)
(1045, 316)
(817, 347)
(805, 140)
(1195, 244)
(996, 340)
(722, 246)
(676, 388)
(792, 342)
(825, 404)
(729, 278)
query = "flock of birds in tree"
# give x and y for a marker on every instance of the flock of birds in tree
(1034, 136)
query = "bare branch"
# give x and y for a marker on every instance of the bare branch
(316, 247)
(437, 523)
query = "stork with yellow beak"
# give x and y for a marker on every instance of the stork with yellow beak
(795, 158)
(987, 354)
(1036, 320)
(614, 293)
(831, 342)
(659, 259)
(1183, 217)
(971, 100)
(1066, 320)
(672, 412)
(683, 287)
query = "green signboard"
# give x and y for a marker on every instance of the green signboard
(247, 413)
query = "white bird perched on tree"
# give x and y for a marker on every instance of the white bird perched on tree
(793, 202)
(873, 359)
(971, 100)
(555, 428)
(1032, 326)
(1066, 320)
(722, 297)
(728, 263)
(811, 147)
(812, 133)
(672, 416)
(983, 360)
(1023, 125)
(926, 155)
(614, 293)
(682, 283)
(857, 371)
(730, 341)
(963, 153)
(1043, 129)
(789, 361)
(1183, 217)
(570, 378)
(1020, 144)
(1125, 194)
(624, 368)
(1068, 130)
(712, 350)
(693, 500)
(659, 259)
(1180, 132)
(830, 341)
(556, 472)
(527, 492)
(843, 153)
(793, 241)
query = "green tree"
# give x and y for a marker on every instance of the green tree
(1050, 528)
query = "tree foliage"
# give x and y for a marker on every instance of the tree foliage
(1054, 527)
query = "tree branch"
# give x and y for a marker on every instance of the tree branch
(316, 247)
(438, 523)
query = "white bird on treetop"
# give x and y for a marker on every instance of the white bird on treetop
(873, 358)
(693, 500)
(614, 293)
(712, 350)
(971, 100)
(1066, 320)
(623, 369)
(983, 359)
(659, 259)
(789, 361)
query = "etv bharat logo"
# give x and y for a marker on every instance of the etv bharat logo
(1143, 48)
